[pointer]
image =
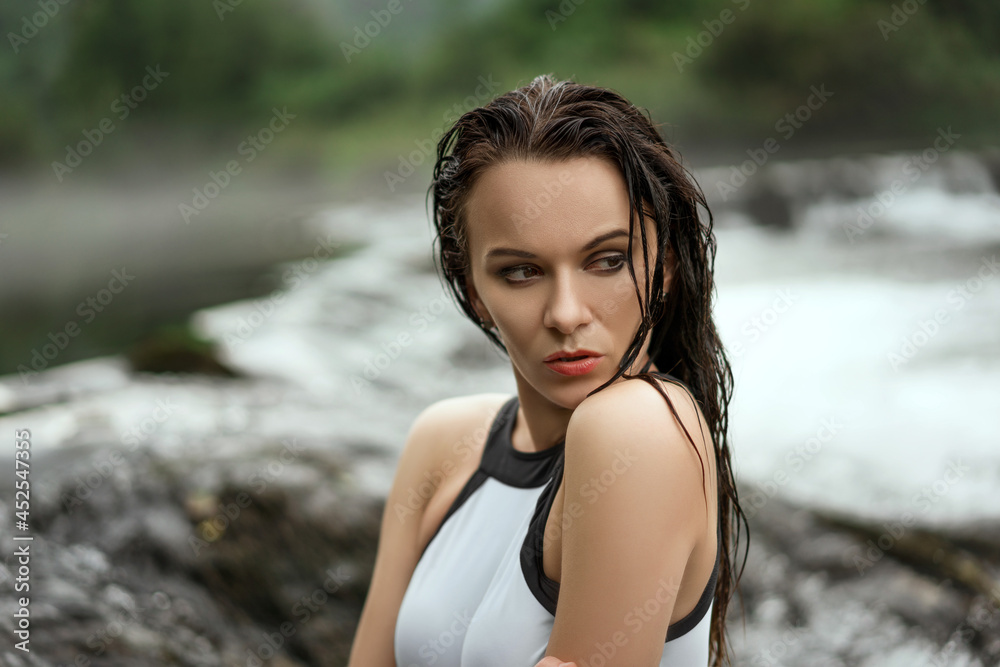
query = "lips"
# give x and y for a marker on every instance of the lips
(571, 355)
(573, 362)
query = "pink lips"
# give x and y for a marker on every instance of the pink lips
(558, 363)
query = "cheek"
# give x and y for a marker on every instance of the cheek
(516, 315)
(617, 298)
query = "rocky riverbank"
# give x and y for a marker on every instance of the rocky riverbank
(252, 541)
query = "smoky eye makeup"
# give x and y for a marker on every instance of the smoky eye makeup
(614, 263)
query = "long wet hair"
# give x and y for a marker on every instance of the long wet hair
(555, 120)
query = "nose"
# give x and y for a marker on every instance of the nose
(566, 308)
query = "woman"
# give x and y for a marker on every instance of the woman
(589, 518)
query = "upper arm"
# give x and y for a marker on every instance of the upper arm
(634, 491)
(397, 554)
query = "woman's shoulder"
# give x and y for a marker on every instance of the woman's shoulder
(634, 394)
(633, 408)
(456, 422)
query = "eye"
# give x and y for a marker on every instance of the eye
(523, 273)
(514, 270)
(617, 262)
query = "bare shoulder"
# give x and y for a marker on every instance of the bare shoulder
(451, 429)
(457, 414)
(633, 411)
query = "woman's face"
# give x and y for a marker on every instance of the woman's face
(548, 265)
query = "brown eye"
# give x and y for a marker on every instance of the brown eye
(617, 262)
(506, 273)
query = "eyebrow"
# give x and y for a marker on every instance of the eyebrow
(494, 252)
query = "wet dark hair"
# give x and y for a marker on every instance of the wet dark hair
(555, 120)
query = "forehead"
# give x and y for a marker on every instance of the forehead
(545, 204)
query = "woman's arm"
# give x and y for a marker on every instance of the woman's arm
(636, 484)
(397, 554)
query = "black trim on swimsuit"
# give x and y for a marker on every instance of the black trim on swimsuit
(501, 461)
(546, 591)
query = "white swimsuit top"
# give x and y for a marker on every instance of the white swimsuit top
(479, 597)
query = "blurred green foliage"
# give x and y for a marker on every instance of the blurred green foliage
(897, 71)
